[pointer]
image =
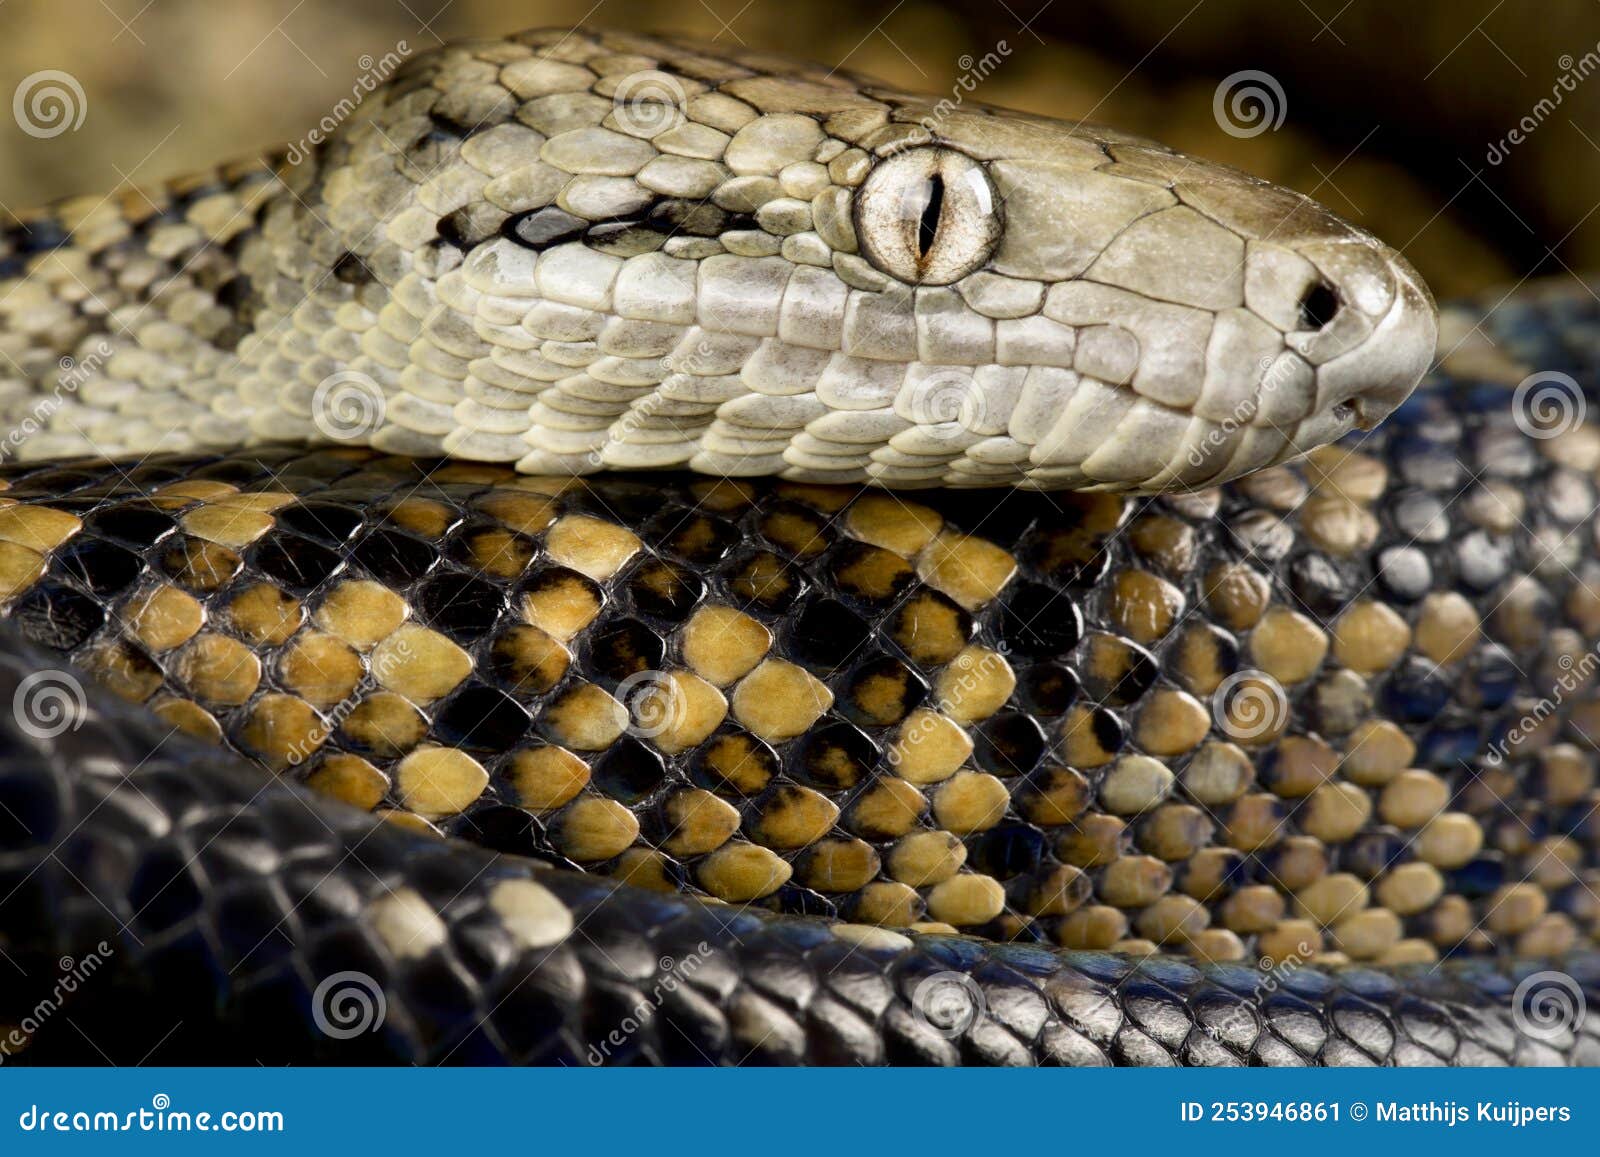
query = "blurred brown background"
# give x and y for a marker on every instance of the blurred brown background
(1390, 110)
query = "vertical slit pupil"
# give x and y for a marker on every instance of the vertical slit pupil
(928, 227)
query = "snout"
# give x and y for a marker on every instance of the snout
(1379, 373)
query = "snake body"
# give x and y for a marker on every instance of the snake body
(1265, 772)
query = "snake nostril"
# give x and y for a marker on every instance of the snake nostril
(1318, 305)
(1352, 410)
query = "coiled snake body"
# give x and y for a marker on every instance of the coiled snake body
(1012, 769)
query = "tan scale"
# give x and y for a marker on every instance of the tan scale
(1144, 606)
(741, 872)
(164, 617)
(321, 669)
(264, 614)
(722, 645)
(351, 779)
(594, 828)
(586, 718)
(361, 612)
(419, 663)
(383, 724)
(970, 801)
(436, 782)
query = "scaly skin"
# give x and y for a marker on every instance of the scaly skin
(1021, 718)
(575, 251)
(226, 900)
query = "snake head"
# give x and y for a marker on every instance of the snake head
(656, 255)
(1193, 323)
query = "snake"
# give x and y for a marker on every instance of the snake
(629, 551)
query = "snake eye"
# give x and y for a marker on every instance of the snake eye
(1318, 305)
(928, 216)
